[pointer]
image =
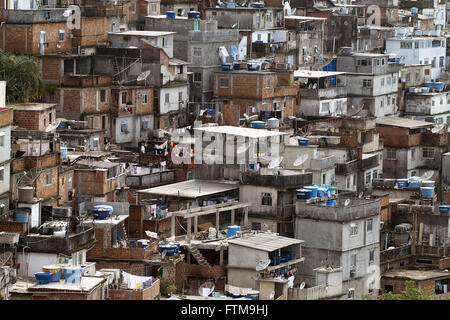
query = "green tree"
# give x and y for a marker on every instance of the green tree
(411, 293)
(22, 76)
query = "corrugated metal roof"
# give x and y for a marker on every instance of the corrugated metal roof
(265, 241)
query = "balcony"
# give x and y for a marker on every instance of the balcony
(285, 180)
(394, 254)
(51, 244)
(103, 11)
(82, 81)
(325, 93)
(347, 167)
(133, 252)
(359, 124)
(369, 162)
(49, 15)
(323, 164)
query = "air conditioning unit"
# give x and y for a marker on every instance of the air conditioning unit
(282, 66)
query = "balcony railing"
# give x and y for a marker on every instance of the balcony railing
(393, 254)
(327, 93)
(347, 167)
(277, 181)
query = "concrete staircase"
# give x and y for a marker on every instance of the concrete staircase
(197, 255)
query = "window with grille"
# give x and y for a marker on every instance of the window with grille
(124, 98)
(224, 82)
(367, 83)
(61, 35)
(391, 154)
(266, 199)
(369, 225)
(144, 98)
(102, 95)
(48, 177)
(353, 229)
(351, 294)
(371, 256)
(428, 153)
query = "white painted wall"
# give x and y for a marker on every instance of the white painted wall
(35, 260)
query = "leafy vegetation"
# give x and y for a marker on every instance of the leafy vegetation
(411, 293)
(22, 76)
(167, 288)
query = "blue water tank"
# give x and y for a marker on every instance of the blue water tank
(427, 192)
(444, 209)
(227, 66)
(322, 192)
(313, 190)
(236, 66)
(231, 5)
(193, 15)
(414, 10)
(439, 86)
(303, 142)
(102, 212)
(402, 183)
(232, 230)
(258, 124)
(72, 275)
(21, 216)
(414, 183)
(43, 277)
(301, 193)
(170, 14)
(63, 153)
(331, 202)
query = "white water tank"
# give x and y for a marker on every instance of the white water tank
(273, 123)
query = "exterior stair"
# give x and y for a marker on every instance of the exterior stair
(197, 255)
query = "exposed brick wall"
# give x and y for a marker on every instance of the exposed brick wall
(6, 117)
(136, 268)
(44, 190)
(150, 293)
(34, 120)
(51, 68)
(72, 101)
(12, 226)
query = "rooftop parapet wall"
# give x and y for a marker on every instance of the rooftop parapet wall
(34, 16)
(277, 181)
(357, 209)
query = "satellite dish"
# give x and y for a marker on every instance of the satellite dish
(437, 128)
(67, 13)
(243, 148)
(300, 160)
(272, 295)
(361, 194)
(427, 175)
(347, 202)
(302, 285)
(234, 26)
(206, 288)
(143, 75)
(275, 163)
(150, 234)
(52, 126)
(262, 265)
(256, 277)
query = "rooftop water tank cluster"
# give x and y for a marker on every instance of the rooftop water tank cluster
(326, 193)
(426, 186)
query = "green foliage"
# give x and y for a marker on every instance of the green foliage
(166, 287)
(22, 76)
(411, 293)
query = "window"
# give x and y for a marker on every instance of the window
(180, 12)
(367, 83)
(391, 154)
(371, 256)
(49, 177)
(351, 294)
(353, 229)
(256, 225)
(144, 124)
(2, 139)
(368, 177)
(428, 153)
(124, 98)
(144, 98)
(224, 82)
(180, 96)
(43, 38)
(2, 173)
(153, 7)
(102, 95)
(124, 128)
(382, 104)
(50, 118)
(267, 82)
(133, 7)
(371, 285)
(167, 98)
(353, 260)
(291, 36)
(95, 144)
(382, 82)
(388, 80)
(61, 35)
(369, 225)
(441, 62)
(197, 77)
(257, 18)
(197, 52)
(433, 63)
(413, 154)
(164, 42)
(375, 174)
(259, 37)
(266, 199)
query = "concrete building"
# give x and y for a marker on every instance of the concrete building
(6, 120)
(410, 148)
(322, 93)
(371, 82)
(342, 236)
(256, 248)
(420, 50)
